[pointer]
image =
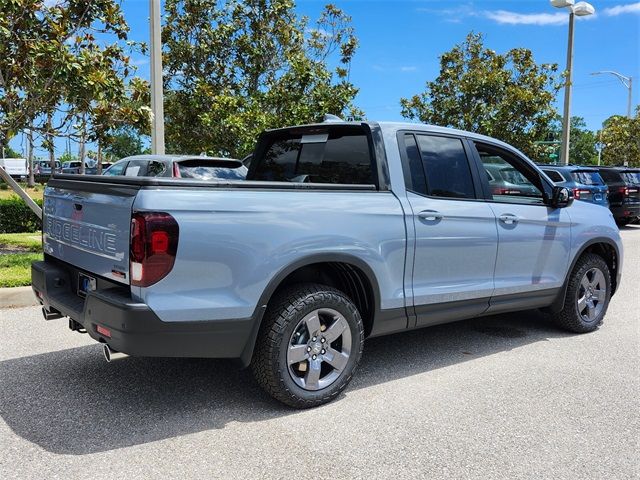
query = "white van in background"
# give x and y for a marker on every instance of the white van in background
(16, 167)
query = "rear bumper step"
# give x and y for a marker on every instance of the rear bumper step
(133, 327)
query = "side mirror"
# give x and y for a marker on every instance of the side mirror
(561, 197)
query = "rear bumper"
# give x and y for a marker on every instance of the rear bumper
(133, 327)
(626, 210)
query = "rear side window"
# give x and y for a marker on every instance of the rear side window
(554, 176)
(586, 177)
(156, 169)
(632, 177)
(337, 156)
(446, 167)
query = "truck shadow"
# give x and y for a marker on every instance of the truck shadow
(73, 402)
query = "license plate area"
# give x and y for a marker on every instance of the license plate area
(597, 197)
(86, 284)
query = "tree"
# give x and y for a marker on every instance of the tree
(10, 152)
(582, 143)
(621, 138)
(507, 96)
(123, 143)
(54, 69)
(234, 68)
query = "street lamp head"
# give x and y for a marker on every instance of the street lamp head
(583, 9)
(562, 3)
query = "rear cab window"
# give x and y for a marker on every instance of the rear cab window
(336, 154)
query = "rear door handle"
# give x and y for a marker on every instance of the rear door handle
(508, 219)
(430, 215)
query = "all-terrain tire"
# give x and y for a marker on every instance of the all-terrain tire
(283, 316)
(570, 318)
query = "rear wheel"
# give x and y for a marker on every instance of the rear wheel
(309, 345)
(587, 297)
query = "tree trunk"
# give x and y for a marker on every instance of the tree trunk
(99, 165)
(31, 181)
(49, 137)
(81, 148)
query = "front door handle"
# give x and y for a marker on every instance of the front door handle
(430, 215)
(508, 219)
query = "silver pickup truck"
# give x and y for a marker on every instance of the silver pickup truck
(341, 231)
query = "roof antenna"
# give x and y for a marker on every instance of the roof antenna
(329, 118)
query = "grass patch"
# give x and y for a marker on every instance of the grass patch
(15, 269)
(36, 192)
(29, 242)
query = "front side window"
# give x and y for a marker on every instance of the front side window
(446, 167)
(510, 181)
(136, 168)
(337, 156)
(116, 169)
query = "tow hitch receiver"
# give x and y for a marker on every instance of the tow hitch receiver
(76, 327)
(52, 314)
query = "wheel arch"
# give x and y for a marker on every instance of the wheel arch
(346, 272)
(605, 248)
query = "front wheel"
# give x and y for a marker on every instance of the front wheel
(587, 297)
(309, 345)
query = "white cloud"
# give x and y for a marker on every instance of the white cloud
(409, 68)
(139, 61)
(620, 9)
(513, 18)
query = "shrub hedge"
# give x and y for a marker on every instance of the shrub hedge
(16, 217)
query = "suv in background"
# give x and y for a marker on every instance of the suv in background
(71, 167)
(506, 180)
(585, 182)
(179, 166)
(42, 169)
(624, 195)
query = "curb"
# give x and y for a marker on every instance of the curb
(17, 297)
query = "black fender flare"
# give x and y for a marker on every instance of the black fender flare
(279, 277)
(558, 303)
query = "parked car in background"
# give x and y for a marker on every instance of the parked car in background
(71, 167)
(624, 195)
(179, 166)
(585, 182)
(16, 167)
(506, 180)
(42, 169)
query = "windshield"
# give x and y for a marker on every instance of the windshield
(631, 177)
(587, 177)
(208, 171)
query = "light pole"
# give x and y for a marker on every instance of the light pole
(157, 106)
(580, 9)
(626, 81)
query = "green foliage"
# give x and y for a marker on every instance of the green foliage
(11, 153)
(621, 137)
(507, 96)
(67, 157)
(16, 217)
(15, 269)
(123, 143)
(56, 58)
(237, 67)
(582, 143)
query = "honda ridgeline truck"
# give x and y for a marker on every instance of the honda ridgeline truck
(341, 231)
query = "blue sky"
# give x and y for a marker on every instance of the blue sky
(400, 42)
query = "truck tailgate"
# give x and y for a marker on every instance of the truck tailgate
(87, 224)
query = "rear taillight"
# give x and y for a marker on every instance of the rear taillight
(505, 191)
(624, 191)
(176, 170)
(154, 243)
(579, 191)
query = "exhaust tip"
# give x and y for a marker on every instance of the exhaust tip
(111, 355)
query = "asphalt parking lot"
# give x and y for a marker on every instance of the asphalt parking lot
(507, 397)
